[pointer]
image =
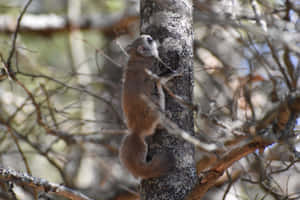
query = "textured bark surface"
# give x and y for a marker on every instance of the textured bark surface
(170, 22)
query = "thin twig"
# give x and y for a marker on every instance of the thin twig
(15, 35)
(17, 144)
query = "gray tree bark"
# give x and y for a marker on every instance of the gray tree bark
(170, 23)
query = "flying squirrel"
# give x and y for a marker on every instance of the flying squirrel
(141, 118)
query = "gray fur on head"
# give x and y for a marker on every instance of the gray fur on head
(145, 46)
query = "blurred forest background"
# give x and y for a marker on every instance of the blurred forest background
(62, 120)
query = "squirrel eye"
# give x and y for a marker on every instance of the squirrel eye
(149, 40)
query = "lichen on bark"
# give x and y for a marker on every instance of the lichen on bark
(170, 23)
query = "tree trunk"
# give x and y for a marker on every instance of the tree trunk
(170, 22)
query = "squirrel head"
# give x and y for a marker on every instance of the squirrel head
(144, 46)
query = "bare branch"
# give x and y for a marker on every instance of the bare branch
(218, 169)
(15, 35)
(40, 184)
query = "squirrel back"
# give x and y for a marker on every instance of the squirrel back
(141, 119)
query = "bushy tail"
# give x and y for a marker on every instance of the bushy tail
(133, 154)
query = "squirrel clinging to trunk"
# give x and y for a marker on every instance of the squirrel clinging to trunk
(141, 118)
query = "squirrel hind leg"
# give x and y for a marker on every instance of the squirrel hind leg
(133, 154)
(159, 166)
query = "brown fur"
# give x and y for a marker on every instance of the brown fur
(141, 119)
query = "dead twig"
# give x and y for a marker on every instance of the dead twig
(40, 184)
(14, 40)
